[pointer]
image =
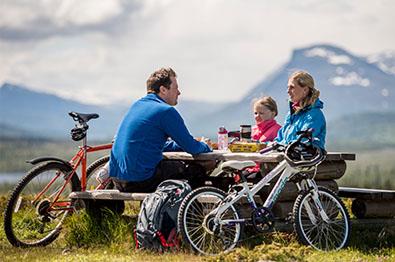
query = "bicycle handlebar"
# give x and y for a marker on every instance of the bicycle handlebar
(273, 147)
(292, 148)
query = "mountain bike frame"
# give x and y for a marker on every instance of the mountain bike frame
(80, 158)
(286, 172)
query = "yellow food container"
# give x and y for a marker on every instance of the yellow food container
(246, 147)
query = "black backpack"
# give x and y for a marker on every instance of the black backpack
(156, 227)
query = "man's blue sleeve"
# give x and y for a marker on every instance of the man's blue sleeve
(172, 146)
(174, 126)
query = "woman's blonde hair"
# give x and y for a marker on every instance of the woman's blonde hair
(305, 79)
(268, 102)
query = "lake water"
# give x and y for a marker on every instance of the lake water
(10, 178)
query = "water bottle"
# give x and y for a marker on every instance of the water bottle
(104, 173)
(222, 138)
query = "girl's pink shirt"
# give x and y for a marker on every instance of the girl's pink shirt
(265, 131)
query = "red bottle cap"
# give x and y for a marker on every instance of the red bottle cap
(222, 130)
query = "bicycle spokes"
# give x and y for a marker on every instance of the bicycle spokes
(323, 222)
(39, 204)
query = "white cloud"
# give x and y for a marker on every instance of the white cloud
(19, 14)
(86, 12)
(220, 48)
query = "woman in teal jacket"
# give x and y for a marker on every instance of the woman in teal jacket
(304, 110)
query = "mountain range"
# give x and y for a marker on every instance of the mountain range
(351, 87)
(27, 113)
(348, 85)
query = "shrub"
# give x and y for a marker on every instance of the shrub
(85, 230)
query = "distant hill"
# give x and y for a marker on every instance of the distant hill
(348, 85)
(47, 115)
(362, 131)
(24, 112)
(9, 131)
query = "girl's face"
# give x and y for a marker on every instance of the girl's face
(296, 92)
(262, 113)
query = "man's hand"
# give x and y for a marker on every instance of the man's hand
(207, 141)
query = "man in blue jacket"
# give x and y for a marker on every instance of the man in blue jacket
(136, 163)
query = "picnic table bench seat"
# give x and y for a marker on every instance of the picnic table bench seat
(108, 194)
(370, 203)
(114, 194)
(366, 193)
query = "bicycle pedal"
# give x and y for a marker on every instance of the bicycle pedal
(289, 218)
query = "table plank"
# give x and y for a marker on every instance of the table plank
(226, 155)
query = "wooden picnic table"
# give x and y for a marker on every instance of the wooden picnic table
(333, 167)
(366, 203)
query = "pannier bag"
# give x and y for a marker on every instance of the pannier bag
(156, 227)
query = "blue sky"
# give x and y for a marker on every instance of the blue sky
(102, 51)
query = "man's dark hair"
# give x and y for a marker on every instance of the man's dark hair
(160, 77)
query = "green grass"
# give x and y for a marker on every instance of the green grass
(371, 169)
(87, 239)
(86, 230)
(14, 153)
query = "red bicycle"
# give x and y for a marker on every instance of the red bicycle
(40, 202)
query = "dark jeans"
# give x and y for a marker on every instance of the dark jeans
(166, 169)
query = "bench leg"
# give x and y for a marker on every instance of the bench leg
(95, 207)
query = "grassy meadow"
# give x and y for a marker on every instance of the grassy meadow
(15, 152)
(86, 239)
(373, 168)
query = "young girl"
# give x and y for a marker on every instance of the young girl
(266, 128)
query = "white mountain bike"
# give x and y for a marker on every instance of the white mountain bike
(210, 223)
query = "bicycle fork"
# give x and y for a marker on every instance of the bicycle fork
(313, 190)
(213, 221)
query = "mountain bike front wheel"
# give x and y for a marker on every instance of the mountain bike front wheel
(199, 230)
(33, 216)
(328, 229)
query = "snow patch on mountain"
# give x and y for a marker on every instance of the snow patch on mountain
(385, 61)
(385, 92)
(349, 79)
(330, 56)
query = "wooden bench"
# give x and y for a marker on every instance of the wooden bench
(114, 194)
(108, 194)
(370, 203)
(95, 200)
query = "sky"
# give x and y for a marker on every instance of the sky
(103, 51)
